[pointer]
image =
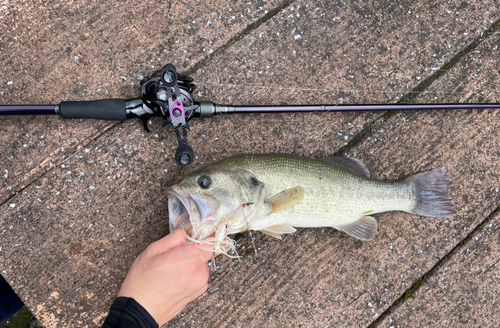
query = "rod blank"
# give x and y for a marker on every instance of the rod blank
(28, 110)
(353, 107)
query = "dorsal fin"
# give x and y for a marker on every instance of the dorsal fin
(286, 199)
(353, 165)
(364, 229)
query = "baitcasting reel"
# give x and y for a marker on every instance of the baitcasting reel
(168, 93)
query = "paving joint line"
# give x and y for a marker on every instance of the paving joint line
(422, 86)
(418, 283)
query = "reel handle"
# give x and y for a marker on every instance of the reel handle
(169, 75)
(184, 155)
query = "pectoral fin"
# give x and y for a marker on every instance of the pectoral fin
(277, 230)
(364, 229)
(286, 199)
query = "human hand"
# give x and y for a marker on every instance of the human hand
(167, 276)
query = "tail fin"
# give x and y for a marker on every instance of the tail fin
(429, 189)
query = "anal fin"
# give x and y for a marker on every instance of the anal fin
(364, 229)
(277, 230)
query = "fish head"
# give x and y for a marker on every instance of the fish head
(202, 200)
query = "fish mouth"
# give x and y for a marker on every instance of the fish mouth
(196, 215)
(179, 210)
(190, 213)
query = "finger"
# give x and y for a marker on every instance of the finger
(207, 255)
(204, 254)
(170, 241)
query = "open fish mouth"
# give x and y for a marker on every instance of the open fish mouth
(190, 213)
(193, 215)
(179, 210)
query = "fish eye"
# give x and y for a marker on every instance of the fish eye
(204, 182)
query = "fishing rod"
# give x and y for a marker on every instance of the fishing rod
(168, 94)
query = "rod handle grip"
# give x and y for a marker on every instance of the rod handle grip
(107, 109)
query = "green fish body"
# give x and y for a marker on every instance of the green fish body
(276, 193)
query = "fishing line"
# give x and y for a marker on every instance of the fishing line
(248, 228)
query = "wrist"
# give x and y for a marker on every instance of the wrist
(127, 312)
(144, 304)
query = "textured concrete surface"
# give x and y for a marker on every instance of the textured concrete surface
(83, 198)
(461, 291)
(83, 50)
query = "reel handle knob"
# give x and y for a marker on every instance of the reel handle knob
(184, 155)
(169, 75)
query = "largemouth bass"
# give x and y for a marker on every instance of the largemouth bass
(276, 193)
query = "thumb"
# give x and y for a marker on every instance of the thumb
(172, 240)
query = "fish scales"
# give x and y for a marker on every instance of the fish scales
(332, 196)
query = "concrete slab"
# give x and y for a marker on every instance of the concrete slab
(83, 50)
(309, 282)
(91, 215)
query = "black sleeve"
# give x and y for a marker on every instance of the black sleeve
(126, 312)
